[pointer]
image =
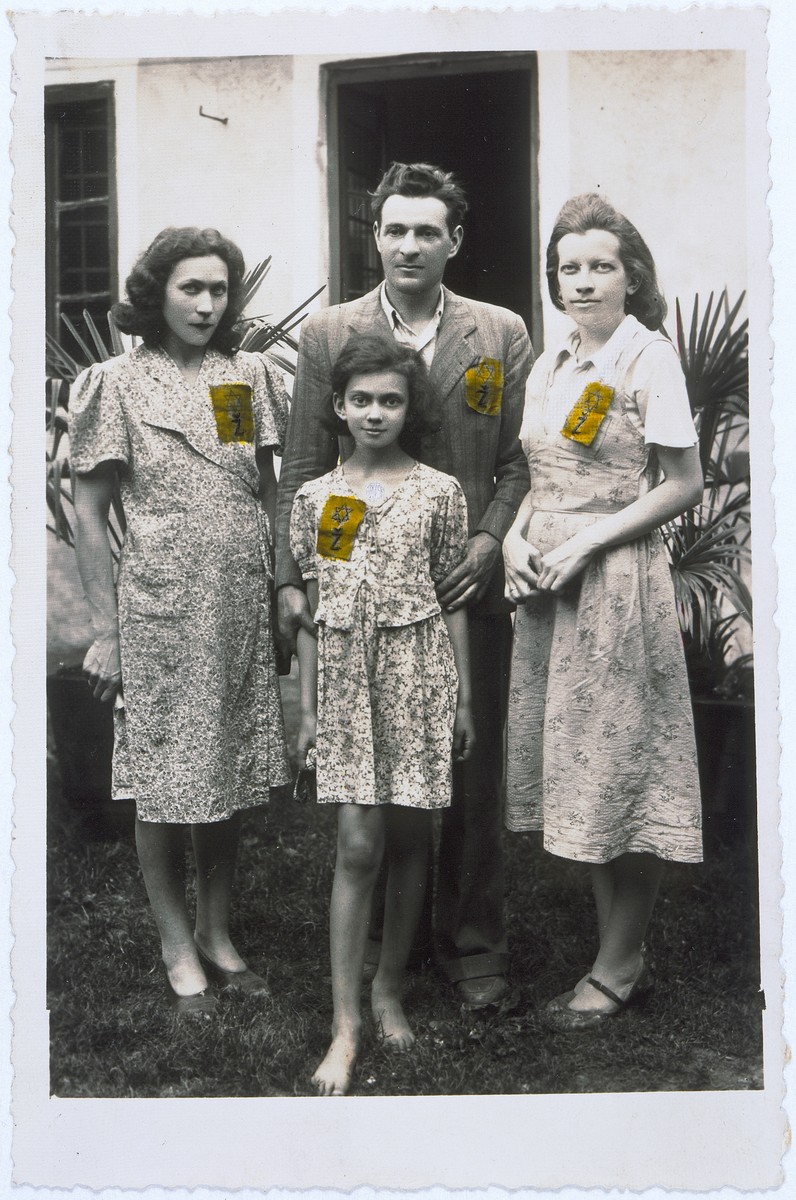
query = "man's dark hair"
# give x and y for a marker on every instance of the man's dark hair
(421, 179)
(142, 314)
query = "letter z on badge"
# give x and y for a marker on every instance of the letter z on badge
(588, 413)
(232, 408)
(483, 386)
(338, 525)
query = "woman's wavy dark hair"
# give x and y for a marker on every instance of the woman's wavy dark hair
(591, 211)
(142, 313)
(369, 353)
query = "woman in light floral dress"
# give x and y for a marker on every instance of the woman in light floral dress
(188, 426)
(601, 748)
(385, 690)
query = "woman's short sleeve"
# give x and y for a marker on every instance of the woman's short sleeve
(656, 382)
(97, 427)
(270, 403)
(304, 534)
(533, 411)
(449, 531)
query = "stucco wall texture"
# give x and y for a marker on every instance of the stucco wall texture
(662, 134)
(194, 170)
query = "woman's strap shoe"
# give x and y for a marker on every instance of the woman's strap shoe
(559, 1016)
(243, 981)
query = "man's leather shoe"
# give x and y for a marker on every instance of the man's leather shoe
(485, 992)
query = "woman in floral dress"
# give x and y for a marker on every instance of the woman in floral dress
(601, 746)
(188, 425)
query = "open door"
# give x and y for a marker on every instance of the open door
(471, 114)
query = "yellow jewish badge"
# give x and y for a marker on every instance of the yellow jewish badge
(483, 386)
(232, 408)
(337, 528)
(588, 413)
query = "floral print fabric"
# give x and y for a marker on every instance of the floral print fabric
(201, 734)
(386, 679)
(405, 545)
(601, 751)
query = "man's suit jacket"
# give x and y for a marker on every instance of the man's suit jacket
(482, 451)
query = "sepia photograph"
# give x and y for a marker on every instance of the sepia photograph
(401, 702)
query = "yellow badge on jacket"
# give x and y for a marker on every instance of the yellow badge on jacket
(483, 386)
(337, 528)
(588, 413)
(232, 408)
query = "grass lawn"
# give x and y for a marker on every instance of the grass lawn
(113, 1034)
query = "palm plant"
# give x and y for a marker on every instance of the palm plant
(260, 334)
(709, 544)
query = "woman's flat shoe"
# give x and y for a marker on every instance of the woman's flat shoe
(243, 981)
(558, 1015)
(197, 1004)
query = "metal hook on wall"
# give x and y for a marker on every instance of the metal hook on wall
(210, 117)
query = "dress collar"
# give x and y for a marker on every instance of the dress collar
(162, 366)
(604, 359)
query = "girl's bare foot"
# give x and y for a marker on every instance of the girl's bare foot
(391, 1020)
(333, 1076)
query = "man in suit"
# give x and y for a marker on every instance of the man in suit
(479, 357)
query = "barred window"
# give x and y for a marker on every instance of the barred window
(80, 208)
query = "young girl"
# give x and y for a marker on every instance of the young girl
(372, 538)
(601, 745)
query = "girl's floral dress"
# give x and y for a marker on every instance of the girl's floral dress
(386, 676)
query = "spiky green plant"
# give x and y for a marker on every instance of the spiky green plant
(709, 544)
(707, 552)
(59, 485)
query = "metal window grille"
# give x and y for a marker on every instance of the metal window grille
(81, 208)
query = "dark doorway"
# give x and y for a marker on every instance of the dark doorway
(471, 114)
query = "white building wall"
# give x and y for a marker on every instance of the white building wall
(235, 176)
(660, 133)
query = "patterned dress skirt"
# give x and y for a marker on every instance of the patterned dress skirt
(201, 734)
(601, 751)
(386, 705)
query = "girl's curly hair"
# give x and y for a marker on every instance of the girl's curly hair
(369, 353)
(142, 313)
(591, 211)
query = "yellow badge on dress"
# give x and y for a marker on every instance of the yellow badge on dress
(337, 528)
(232, 408)
(483, 386)
(588, 413)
